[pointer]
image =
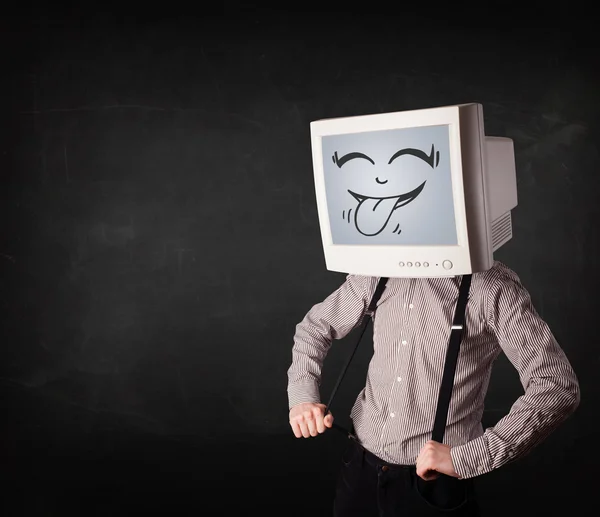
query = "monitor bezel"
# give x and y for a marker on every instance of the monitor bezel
(463, 122)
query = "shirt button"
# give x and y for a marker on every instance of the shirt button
(392, 415)
(411, 306)
(400, 378)
(404, 341)
(480, 469)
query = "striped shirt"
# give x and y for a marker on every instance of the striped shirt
(393, 415)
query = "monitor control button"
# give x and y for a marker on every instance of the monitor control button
(447, 264)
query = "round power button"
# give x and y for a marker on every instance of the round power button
(447, 264)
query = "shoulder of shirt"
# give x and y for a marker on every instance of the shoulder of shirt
(497, 277)
(361, 284)
(361, 279)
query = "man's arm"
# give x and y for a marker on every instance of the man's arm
(551, 386)
(333, 318)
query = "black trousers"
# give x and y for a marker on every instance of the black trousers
(367, 486)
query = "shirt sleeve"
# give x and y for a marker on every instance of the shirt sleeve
(333, 318)
(551, 386)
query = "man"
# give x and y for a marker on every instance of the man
(393, 415)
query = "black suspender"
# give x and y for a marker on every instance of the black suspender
(458, 329)
(370, 311)
(445, 393)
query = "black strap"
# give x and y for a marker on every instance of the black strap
(370, 310)
(458, 330)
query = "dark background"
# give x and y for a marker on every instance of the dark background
(160, 242)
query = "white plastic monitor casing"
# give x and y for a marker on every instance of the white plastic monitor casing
(483, 190)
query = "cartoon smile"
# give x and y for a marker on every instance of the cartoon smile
(373, 213)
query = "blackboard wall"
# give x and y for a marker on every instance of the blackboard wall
(160, 242)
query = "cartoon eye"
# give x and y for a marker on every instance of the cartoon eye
(419, 154)
(347, 157)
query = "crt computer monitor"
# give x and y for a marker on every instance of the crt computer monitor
(421, 193)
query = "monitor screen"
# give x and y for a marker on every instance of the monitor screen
(390, 187)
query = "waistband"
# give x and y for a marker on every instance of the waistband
(375, 461)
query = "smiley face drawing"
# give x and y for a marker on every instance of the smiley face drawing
(383, 206)
(390, 187)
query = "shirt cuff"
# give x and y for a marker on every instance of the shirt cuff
(303, 392)
(471, 459)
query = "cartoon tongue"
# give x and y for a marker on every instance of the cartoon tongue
(372, 215)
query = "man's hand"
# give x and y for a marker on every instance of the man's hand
(433, 459)
(307, 420)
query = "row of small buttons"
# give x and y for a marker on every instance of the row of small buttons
(447, 264)
(410, 264)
